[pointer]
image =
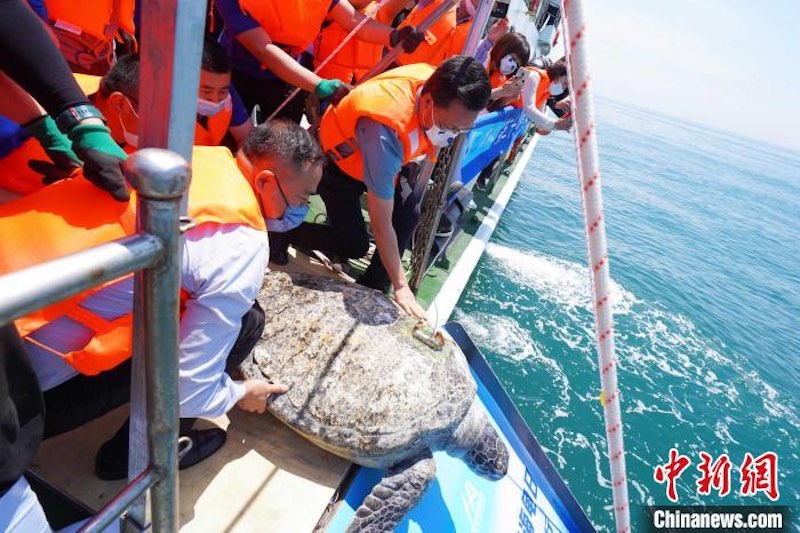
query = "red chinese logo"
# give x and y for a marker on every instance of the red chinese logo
(716, 476)
(671, 471)
(756, 474)
(759, 475)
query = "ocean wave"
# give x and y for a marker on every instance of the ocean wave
(503, 336)
(562, 282)
(535, 311)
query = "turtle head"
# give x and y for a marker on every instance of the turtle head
(477, 442)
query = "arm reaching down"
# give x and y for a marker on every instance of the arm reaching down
(222, 289)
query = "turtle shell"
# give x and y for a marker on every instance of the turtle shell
(360, 384)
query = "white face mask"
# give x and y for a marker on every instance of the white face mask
(439, 136)
(208, 108)
(508, 65)
(131, 139)
(556, 88)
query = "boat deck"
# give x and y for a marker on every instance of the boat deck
(266, 477)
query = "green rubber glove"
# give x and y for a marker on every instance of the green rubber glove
(102, 158)
(327, 88)
(58, 148)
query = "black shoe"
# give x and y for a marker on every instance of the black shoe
(111, 462)
(279, 257)
(205, 442)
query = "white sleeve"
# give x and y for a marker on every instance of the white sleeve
(222, 267)
(535, 115)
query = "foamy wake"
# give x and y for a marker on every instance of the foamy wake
(562, 282)
(503, 336)
(651, 342)
(666, 366)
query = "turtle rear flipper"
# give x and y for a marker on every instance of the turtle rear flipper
(399, 491)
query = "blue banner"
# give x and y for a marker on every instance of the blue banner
(494, 133)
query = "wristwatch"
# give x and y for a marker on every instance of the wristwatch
(71, 117)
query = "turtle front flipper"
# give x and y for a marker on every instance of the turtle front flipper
(400, 490)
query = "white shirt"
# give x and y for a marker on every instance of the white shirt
(537, 116)
(222, 267)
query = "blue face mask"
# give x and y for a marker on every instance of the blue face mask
(292, 217)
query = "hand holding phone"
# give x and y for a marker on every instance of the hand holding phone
(500, 10)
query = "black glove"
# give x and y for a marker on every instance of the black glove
(65, 162)
(52, 172)
(340, 93)
(409, 36)
(102, 158)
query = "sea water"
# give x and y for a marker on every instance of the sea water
(703, 234)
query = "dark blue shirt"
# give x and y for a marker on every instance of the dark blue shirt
(239, 113)
(235, 22)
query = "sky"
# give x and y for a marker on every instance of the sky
(729, 64)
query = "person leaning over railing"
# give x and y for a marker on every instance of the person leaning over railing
(81, 349)
(516, 83)
(356, 57)
(266, 38)
(382, 125)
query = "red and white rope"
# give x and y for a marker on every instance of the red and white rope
(589, 175)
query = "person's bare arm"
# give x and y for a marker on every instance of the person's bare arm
(16, 103)
(258, 43)
(373, 31)
(240, 132)
(380, 216)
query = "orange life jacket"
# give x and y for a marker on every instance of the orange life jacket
(434, 49)
(390, 99)
(293, 23)
(355, 58)
(15, 174)
(542, 89)
(88, 83)
(99, 18)
(73, 215)
(458, 39)
(216, 128)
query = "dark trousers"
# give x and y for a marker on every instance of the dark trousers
(342, 197)
(21, 409)
(84, 398)
(270, 93)
(305, 237)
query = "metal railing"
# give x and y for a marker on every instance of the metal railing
(433, 208)
(160, 179)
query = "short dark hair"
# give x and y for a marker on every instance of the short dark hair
(461, 78)
(214, 58)
(122, 77)
(557, 69)
(283, 139)
(510, 43)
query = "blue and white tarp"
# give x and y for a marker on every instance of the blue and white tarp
(493, 134)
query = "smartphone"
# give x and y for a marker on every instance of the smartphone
(500, 10)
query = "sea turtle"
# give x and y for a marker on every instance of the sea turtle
(363, 388)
